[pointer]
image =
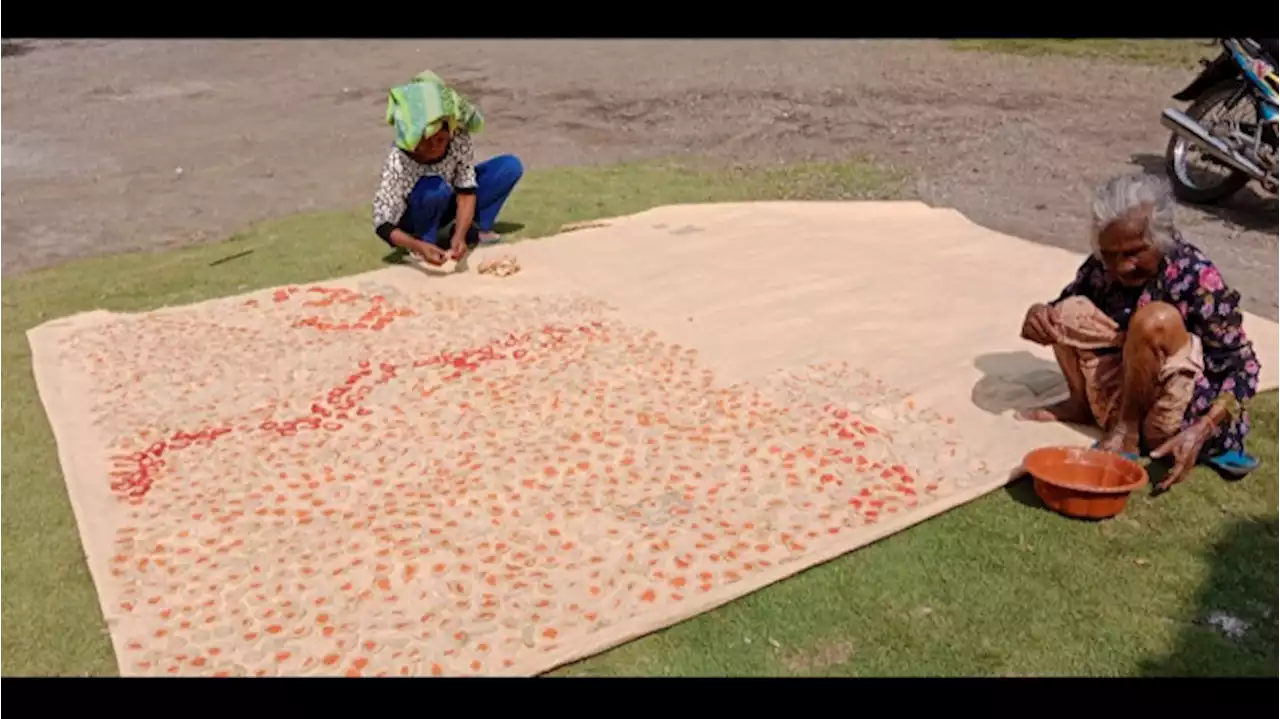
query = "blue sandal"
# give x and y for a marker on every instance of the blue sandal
(1235, 463)
(1132, 456)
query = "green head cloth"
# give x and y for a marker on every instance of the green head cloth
(420, 108)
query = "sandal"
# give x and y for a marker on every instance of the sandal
(1235, 463)
(1132, 456)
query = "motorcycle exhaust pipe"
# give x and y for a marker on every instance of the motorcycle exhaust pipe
(1191, 131)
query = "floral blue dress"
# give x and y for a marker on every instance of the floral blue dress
(1189, 281)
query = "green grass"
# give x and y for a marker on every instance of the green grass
(994, 588)
(1169, 53)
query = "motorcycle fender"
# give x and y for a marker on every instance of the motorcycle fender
(1222, 68)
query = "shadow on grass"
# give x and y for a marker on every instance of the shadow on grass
(1023, 491)
(1245, 209)
(396, 256)
(506, 228)
(1230, 628)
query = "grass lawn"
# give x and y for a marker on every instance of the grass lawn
(998, 587)
(1170, 53)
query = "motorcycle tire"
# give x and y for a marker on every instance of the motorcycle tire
(1211, 97)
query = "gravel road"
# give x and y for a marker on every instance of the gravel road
(95, 131)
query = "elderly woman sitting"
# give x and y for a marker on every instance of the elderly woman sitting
(1149, 338)
(430, 178)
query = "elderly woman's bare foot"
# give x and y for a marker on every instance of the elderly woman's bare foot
(1118, 441)
(1110, 443)
(1068, 410)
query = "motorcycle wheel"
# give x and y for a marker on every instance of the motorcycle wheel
(1184, 188)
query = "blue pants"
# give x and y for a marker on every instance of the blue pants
(433, 204)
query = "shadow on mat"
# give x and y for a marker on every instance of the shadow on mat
(1015, 380)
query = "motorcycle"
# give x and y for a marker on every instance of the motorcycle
(1243, 75)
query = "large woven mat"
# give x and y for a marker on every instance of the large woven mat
(401, 473)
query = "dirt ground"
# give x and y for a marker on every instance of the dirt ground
(114, 145)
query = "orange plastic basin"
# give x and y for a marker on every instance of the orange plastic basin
(1084, 483)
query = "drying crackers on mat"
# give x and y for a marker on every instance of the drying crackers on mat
(504, 266)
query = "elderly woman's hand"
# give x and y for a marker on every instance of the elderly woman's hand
(1183, 448)
(1041, 325)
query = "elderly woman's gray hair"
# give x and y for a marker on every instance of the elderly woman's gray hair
(1122, 196)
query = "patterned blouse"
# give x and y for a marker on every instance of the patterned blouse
(400, 173)
(1189, 281)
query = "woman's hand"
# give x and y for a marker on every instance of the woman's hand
(430, 254)
(1041, 325)
(1184, 448)
(458, 246)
